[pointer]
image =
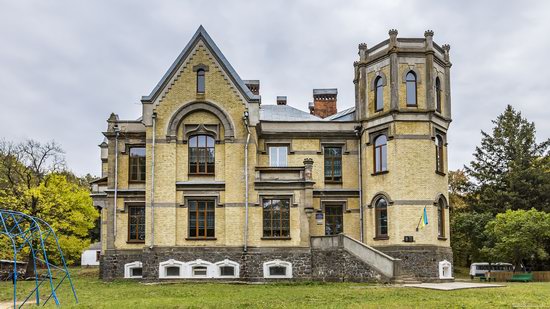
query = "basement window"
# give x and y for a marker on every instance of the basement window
(200, 271)
(277, 269)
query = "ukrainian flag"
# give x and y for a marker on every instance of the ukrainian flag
(424, 218)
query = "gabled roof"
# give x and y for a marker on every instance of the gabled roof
(200, 34)
(284, 113)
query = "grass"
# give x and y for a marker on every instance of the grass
(94, 293)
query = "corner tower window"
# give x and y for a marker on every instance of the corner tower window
(381, 209)
(379, 94)
(438, 95)
(201, 84)
(411, 88)
(441, 218)
(380, 154)
(439, 154)
(201, 155)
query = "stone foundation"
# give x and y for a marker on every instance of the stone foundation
(307, 264)
(420, 261)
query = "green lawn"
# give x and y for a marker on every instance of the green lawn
(94, 293)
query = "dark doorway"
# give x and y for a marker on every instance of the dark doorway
(334, 219)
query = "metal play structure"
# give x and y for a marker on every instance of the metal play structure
(31, 236)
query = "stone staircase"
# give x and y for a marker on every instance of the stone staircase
(406, 279)
(385, 265)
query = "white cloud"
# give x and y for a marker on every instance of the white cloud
(66, 65)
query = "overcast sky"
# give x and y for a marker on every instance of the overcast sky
(66, 65)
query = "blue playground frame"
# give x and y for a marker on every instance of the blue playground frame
(30, 232)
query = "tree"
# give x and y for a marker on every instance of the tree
(468, 237)
(518, 236)
(33, 180)
(511, 170)
(460, 187)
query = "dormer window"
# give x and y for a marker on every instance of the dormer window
(201, 83)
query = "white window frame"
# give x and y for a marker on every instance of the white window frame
(211, 269)
(278, 263)
(171, 263)
(227, 262)
(276, 154)
(128, 269)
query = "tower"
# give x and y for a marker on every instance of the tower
(403, 103)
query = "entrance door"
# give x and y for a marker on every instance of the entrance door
(334, 219)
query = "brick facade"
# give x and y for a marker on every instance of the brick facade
(230, 113)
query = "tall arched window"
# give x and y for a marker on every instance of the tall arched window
(380, 154)
(441, 218)
(439, 154)
(381, 217)
(201, 85)
(411, 88)
(201, 154)
(438, 94)
(379, 94)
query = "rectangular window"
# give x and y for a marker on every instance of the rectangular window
(136, 223)
(201, 218)
(333, 164)
(276, 216)
(137, 164)
(278, 156)
(334, 219)
(201, 155)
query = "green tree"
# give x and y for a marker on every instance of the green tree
(468, 237)
(518, 236)
(33, 180)
(511, 170)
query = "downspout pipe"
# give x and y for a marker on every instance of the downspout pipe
(359, 133)
(153, 182)
(117, 132)
(246, 124)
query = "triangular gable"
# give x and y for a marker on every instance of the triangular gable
(201, 34)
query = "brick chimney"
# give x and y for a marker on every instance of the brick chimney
(324, 102)
(281, 100)
(253, 85)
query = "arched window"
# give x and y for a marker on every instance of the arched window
(438, 94)
(201, 154)
(441, 218)
(379, 94)
(411, 88)
(439, 154)
(380, 154)
(201, 85)
(381, 217)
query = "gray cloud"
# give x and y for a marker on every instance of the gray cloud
(65, 65)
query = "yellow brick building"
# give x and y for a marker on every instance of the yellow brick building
(211, 183)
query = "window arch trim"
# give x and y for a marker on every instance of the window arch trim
(222, 115)
(415, 71)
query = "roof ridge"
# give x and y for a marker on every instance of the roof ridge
(210, 44)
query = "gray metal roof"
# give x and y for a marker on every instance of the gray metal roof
(284, 113)
(345, 115)
(201, 34)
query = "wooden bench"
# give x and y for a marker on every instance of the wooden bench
(526, 277)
